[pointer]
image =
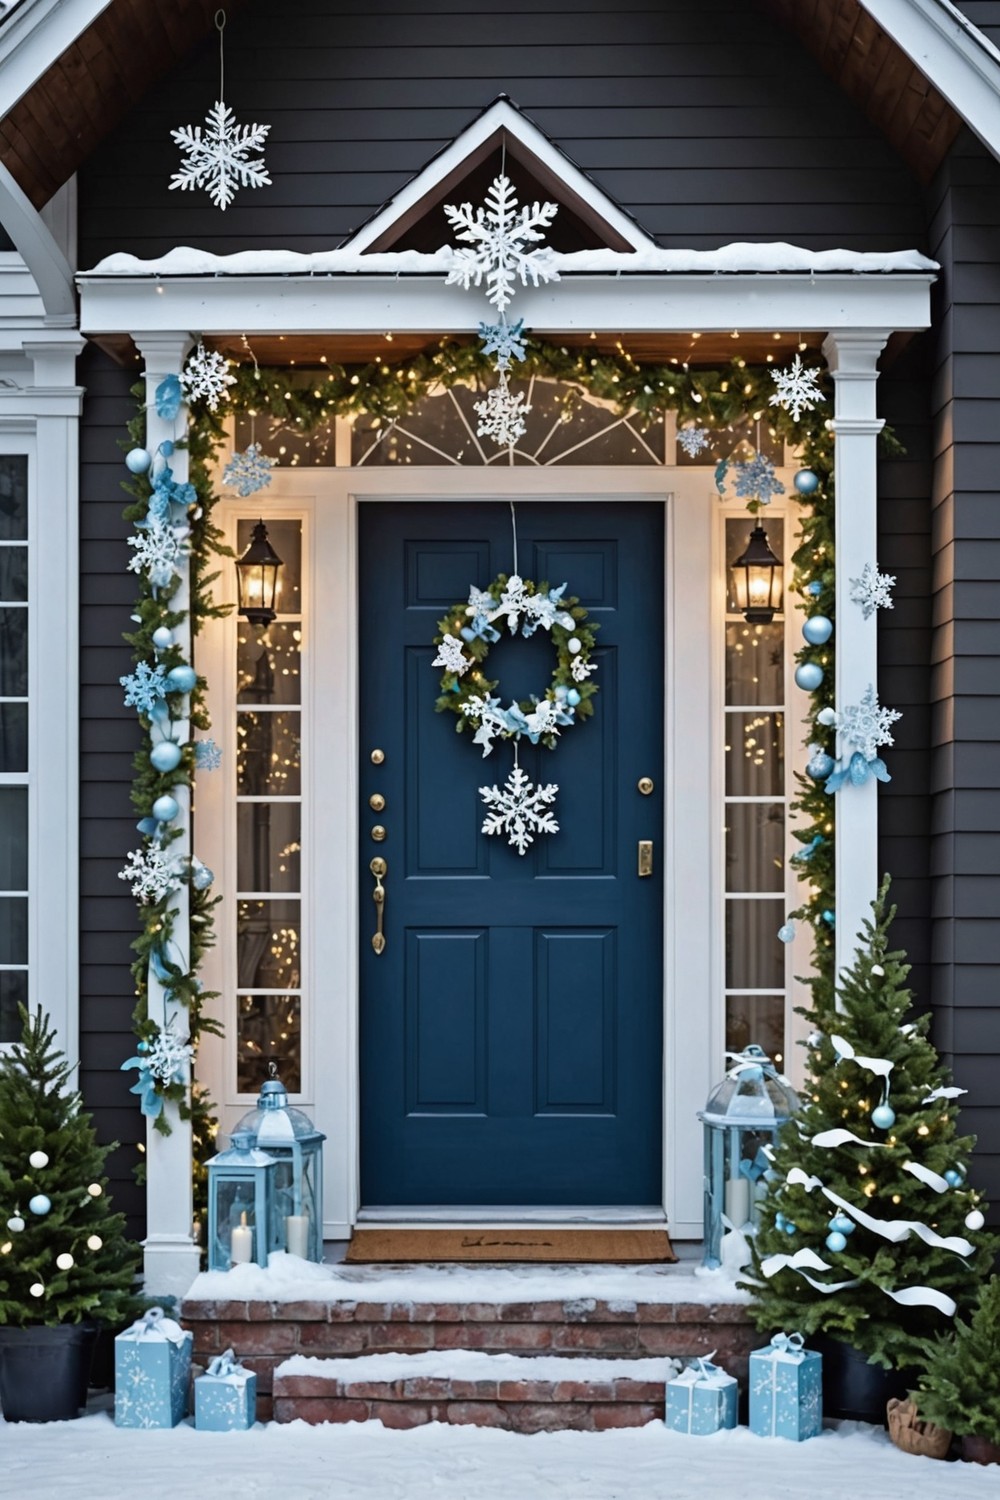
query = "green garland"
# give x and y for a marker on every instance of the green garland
(711, 398)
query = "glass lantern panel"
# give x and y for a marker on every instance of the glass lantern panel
(231, 1199)
(738, 529)
(286, 539)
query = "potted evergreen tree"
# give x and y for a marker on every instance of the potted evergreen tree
(870, 1237)
(960, 1385)
(65, 1260)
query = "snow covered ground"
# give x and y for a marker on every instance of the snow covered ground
(92, 1460)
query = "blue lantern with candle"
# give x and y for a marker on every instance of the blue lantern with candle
(742, 1118)
(242, 1204)
(288, 1135)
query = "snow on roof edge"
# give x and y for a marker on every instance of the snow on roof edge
(738, 258)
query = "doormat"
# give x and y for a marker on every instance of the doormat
(374, 1246)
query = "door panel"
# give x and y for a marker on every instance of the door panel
(511, 1032)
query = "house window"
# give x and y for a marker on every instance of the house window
(267, 912)
(755, 819)
(14, 763)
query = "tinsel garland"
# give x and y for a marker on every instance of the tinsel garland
(711, 398)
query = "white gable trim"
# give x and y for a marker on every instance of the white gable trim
(36, 34)
(953, 55)
(39, 251)
(500, 116)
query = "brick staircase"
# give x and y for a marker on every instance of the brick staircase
(496, 1363)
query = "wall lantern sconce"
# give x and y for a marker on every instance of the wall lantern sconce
(757, 579)
(257, 578)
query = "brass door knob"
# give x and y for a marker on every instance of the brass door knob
(378, 833)
(376, 802)
(646, 785)
(378, 756)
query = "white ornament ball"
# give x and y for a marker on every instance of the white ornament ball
(138, 460)
(878, 971)
(15, 1224)
(65, 1261)
(38, 1160)
(573, 646)
(36, 1289)
(94, 1242)
(974, 1219)
(827, 717)
(39, 1204)
(95, 1190)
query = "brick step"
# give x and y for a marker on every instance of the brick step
(519, 1393)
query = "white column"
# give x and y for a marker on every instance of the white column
(171, 1256)
(852, 356)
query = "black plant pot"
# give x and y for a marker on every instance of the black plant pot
(44, 1371)
(853, 1388)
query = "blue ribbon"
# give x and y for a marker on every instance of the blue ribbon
(150, 1102)
(225, 1364)
(169, 491)
(856, 772)
(168, 397)
(806, 854)
(480, 629)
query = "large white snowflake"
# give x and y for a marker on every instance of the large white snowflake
(249, 471)
(866, 724)
(693, 440)
(206, 376)
(150, 874)
(160, 551)
(501, 414)
(797, 389)
(450, 656)
(220, 160)
(499, 237)
(873, 590)
(168, 1057)
(520, 809)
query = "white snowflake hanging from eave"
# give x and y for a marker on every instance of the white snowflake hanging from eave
(206, 376)
(796, 389)
(500, 238)
(220, 160)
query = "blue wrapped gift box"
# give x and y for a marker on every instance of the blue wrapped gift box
(225, 1397)
(152, 1371)
(786, 1389)
(701, 1399)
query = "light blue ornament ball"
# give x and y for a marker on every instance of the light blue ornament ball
(789, 1227)
(808, 676)
(779, 1221)
(201, 877)
(815, 588)
(166, 448)
(39, 1204)
(572, 697)
(830, 918)
(137, 460)
(806, 482)
(883, 1118)
(817, 630)
(162, 637)
(820, 765)
(786, 933)
(181, 679)
(166, 756)
(952, 1178)
(165, 809)
(835, 1241)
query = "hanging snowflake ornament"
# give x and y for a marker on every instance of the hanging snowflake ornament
(206, 377)
(221, 159)
(499, 239)
(519, 809)
(450, 656)
(693, 440)
(756, 480)
(160, 551)
(249, 471)
(501, 414)
(866, 724)
(796, 389)
(150, 874)
(207, 755)
(505, 340)
(144, 687)
(873, 590)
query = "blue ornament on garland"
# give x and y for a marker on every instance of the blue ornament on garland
(779, 1221)
(786, 933)
(138, 460)
(165, 809)
(163, 637)
(166, 756)
(39, 1204)
(820, 765)
(806, 482)
(142, 1048)
(815, 588)
(181, 679)
(952, 1177)
(841, 1224)
(789, 1227)
(835, 1241)
(808, 676)
(883, 1117)
(830, 918)
(817, 630)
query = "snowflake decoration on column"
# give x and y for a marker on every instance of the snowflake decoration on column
(873, 590)
(500, 239)
(168, 1057)
(206, 376)
(150, 874)
(501, 414)
(520, 809)
(797, 389)
(866, 724)
(159, 551)
(693, 440)
(249, 471)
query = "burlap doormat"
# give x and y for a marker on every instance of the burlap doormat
(374, 1246)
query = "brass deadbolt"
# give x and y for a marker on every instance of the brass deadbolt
(376, 802)
(646, 785)
(378, 756)
(378, 833)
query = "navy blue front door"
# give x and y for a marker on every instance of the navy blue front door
(511, 1031)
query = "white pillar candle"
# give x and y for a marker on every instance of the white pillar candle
(241, 1242)
(297, 1235)
(737, 1201)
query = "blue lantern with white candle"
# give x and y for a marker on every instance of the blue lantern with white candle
(242, 1205)
(292, 1139)
(742, 1118)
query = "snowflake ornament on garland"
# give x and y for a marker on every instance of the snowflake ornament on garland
(501, 414)
(867, 724)
(160, 551)
(693, 440)
(500, 238)
(151, 875)
(519, 809)
(144, 687)
(249, 471)
(206, 376)
(797, 389)
(873, 590)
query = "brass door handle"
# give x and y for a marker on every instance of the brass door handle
(378, 868)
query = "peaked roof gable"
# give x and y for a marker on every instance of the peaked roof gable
(413, 220)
